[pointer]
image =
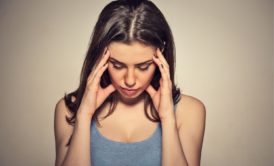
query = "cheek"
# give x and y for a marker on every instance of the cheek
(147, 77)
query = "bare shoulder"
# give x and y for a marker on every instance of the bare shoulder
(190, 111)
(61, 108)
(190, 119)
(62, 128)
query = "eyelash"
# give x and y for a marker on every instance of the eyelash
(140, 68)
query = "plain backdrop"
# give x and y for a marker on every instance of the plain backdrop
(224, 58)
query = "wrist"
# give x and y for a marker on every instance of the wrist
(168, 118)
(84, 114)
(82, 122)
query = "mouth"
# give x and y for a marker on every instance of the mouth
(129, 92)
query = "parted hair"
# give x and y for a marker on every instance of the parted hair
(126, 21)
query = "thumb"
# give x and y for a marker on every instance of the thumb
(109, 89)
(103, 94)
(151, 91)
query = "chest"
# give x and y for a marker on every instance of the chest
(108, 149)
(127, 127)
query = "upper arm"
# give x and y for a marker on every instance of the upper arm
(190, 117)
(62, 131)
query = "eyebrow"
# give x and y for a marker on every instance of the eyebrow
(139, 64)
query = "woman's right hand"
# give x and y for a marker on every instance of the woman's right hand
(94, 94)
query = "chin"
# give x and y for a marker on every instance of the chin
(137, 95)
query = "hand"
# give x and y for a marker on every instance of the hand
(162, 98)
(94, 94)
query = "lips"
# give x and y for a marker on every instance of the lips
(129, 92)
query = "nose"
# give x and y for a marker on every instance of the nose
(130, 79)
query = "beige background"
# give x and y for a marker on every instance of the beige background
(224, 58)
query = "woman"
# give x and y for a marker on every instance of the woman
(127, 109)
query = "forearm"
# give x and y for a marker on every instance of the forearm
(79, 148)
(172, 151)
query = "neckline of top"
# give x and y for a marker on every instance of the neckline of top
(127, 143)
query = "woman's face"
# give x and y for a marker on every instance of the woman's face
(131, 67)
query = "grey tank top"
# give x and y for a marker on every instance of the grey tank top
(105, 152)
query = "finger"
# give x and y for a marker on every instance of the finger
(103, 60)
(98, 75)
(105, 57)
(109, 89)
(163, 61)
(106, 91)
(100, 65)
(151, 91)
(105, 50)
(163, 70)
(165, 82)
(161, 57)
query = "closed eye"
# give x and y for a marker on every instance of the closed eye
(118, 66)
(143, 67)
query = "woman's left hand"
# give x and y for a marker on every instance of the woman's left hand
(162, 98)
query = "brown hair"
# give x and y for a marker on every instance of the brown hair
(126, 21)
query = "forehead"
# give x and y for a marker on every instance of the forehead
(131, 53)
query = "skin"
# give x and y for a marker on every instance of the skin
(128, 70)
(182, 132)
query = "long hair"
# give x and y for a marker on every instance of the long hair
(126, 21)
